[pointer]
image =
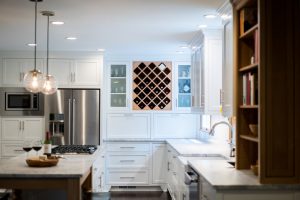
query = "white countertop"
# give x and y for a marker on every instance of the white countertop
(194, 147)
(71, 166)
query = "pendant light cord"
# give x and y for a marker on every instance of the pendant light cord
(35, 26)
(47, 44)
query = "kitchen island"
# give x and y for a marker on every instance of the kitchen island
(71, 175)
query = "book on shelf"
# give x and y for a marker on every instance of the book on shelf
(248, 19)
(250, 89)
(256, 46)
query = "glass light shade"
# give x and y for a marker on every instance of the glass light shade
(33, 81)
(49, 86)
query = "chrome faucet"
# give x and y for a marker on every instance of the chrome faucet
(212, 133)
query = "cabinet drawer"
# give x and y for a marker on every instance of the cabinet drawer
(9, 150)
(138, 161)
(128, 147)
(128, 177)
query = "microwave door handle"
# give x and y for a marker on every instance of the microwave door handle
(73, 120)
(69, 124)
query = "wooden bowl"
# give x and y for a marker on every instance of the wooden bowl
(254, 169)
(254, 129)
(42, 161)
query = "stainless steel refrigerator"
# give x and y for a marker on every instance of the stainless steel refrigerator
(75, 114)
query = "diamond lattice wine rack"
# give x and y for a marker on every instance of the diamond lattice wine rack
(152, 86)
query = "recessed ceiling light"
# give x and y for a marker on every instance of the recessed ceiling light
(210, 16)
(184, 47)
(57, 23)
(225, 17)
(71, 38)
(202, 26)
(101, 50)
(31, 45)
(180, 52)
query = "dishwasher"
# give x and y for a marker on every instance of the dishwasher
(191, 179)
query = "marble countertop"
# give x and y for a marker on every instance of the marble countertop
(70, 166)
(223, 176)
(195, 147)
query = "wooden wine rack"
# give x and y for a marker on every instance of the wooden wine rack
(152, 85)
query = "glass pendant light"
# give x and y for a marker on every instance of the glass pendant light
(33, 80)
(49, 86)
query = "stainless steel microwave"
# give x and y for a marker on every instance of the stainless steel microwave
(19, 102)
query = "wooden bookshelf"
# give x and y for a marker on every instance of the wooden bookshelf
(249, 138)
(246, 43)
(249, 107)
(275, 44)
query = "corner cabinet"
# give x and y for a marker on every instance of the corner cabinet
(207, 72)
(267, 50)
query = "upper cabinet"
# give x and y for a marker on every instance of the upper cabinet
(118, 86)
(183, 87)
(14, 70)
(68, 72)
(207, 72)
(228, 70)
(76, 73)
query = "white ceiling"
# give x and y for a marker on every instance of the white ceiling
(119, 26)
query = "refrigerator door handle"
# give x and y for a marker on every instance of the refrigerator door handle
(73, 120)
(69, 124)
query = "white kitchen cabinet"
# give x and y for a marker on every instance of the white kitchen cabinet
(227, 78)
(182, 87)
(128, 163)
(175, 125)
(76, 73)
(11, 149)
(206, 191)
(172, 173)
(118, 86)
(20, 129)
(159, 164)
(98, 173)
(207, 69)
(14, 70)
(128, 125)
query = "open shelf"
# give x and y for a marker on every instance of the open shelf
(249, 67)
(249, 33)
(249, 138)
(249, 106)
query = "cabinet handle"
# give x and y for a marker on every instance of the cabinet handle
(126, 160)
(74, 77)
(23, 124)
(20, 125)
(220, 96)
(19, 150)
(193, 101)
(100, 185)
(126, 177)
(168, 166)
(204, 197)
(183, 197)
(21, 77)
(127, 147)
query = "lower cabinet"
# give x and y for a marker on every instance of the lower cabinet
(14, 131)
(98, 173)
(128, 164)
(159, 164)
